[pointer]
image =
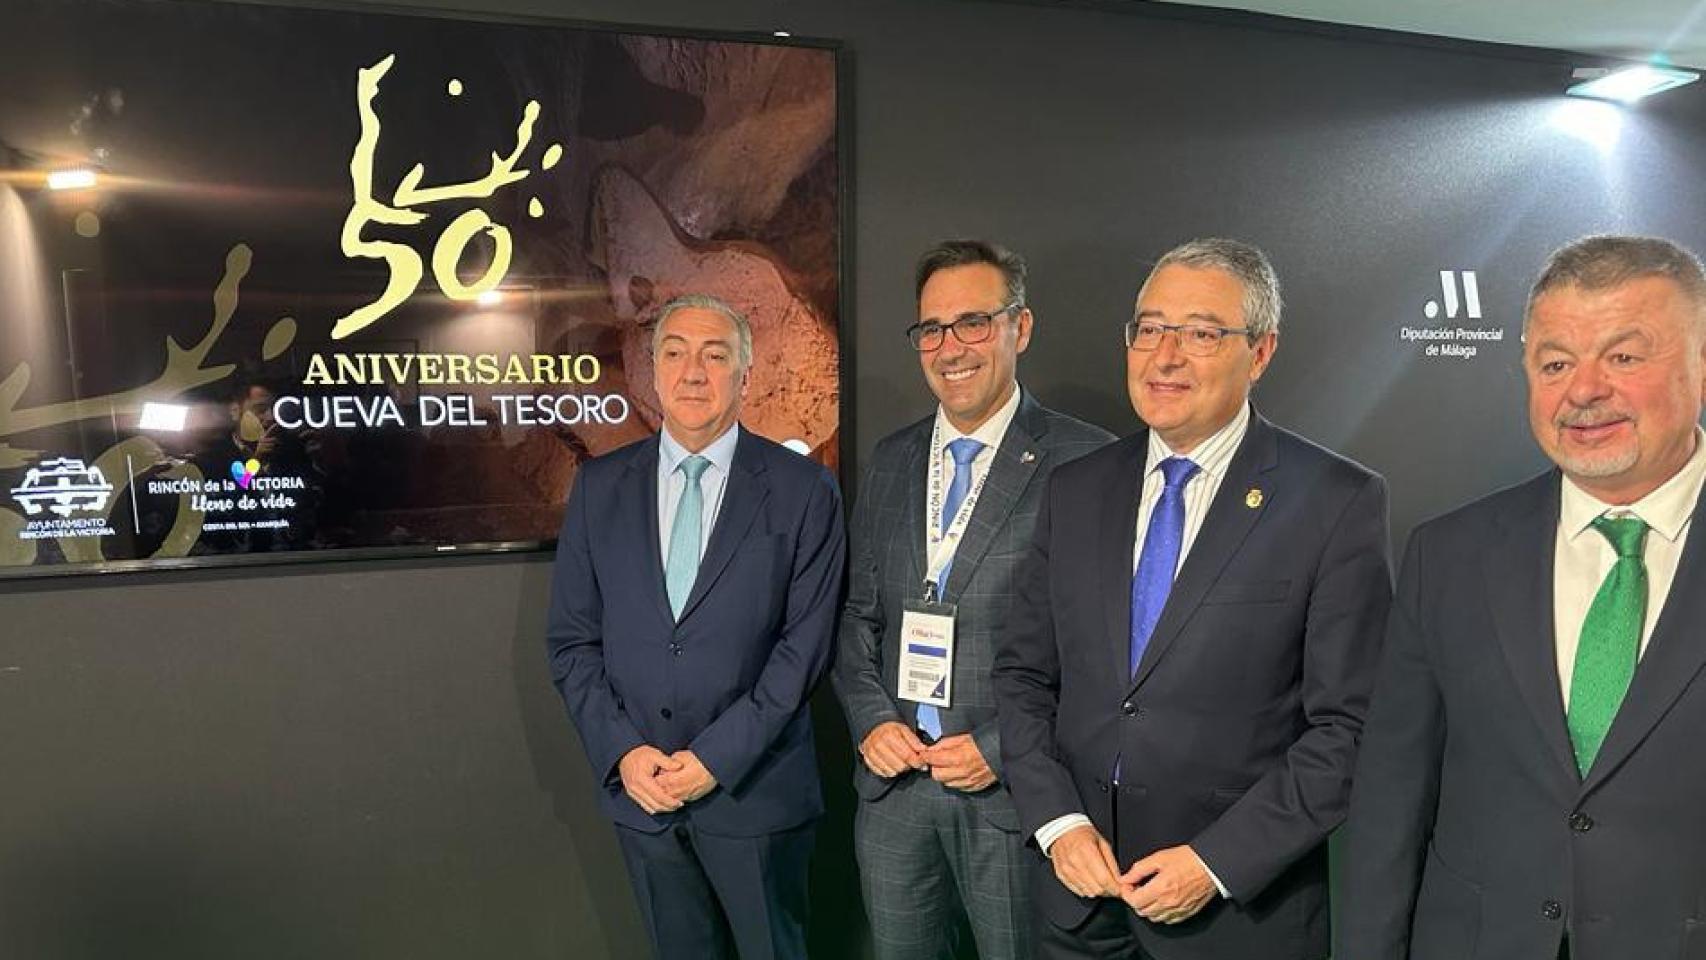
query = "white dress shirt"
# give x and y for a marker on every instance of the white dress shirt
(712, 483)
(1583, 556)
(1212, 457)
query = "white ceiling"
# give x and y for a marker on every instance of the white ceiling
(1631, 29)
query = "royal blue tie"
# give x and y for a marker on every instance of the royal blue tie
(1157, 562)
(1160, 556)
(964, 451)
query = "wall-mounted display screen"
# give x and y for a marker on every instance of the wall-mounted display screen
(284, 283)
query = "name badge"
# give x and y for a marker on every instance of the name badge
(927, 653)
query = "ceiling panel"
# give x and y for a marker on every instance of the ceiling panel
(1633, 29)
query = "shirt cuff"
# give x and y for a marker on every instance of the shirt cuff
(1206, 869)
(1053, 830)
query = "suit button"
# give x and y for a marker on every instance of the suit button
(1128, 708)
(675, 648)
(666, 713)
(1552, 910)
(1581, 822)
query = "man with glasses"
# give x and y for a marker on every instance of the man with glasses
(1184, 674)
(942, 517)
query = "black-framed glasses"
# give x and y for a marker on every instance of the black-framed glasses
(968, 328)
(1196, 339)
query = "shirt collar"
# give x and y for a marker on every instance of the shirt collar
(989, 433)
(721, 451)
(1665, 511)
(1213, 455)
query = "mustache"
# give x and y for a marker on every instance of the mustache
(1590, 417)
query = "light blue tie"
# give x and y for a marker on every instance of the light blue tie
(1158, 562)
(964, 451)
(685, 535)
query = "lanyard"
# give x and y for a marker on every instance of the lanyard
(943, 543)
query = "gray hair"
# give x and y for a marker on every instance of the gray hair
(1246, 264)
(704, 301)
(966, 252)
(1605, 261)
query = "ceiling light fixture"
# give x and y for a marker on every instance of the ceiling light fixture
(167, 417)
(79, 179)
(1628, 84)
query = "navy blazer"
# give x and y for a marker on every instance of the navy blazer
(1238, 732)
(1472, 836)
(732, 678)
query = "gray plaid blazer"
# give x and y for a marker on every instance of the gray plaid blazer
(886, 567)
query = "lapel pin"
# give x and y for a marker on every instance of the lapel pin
(1253, 499)
(1027, 457)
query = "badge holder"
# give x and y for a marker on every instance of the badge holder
(927, 650)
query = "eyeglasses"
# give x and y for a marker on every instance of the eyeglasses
(1196, 339)
(968, 329)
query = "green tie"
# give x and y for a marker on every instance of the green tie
(1611, 640)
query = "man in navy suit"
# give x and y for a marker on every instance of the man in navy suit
(1188, 661)
(693, 606)
(1531, 784)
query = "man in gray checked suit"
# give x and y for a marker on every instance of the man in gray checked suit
(943, 517)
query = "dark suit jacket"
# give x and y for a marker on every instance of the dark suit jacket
(730, 680)
(1238, 732)
(888, 567)
(1471, 834)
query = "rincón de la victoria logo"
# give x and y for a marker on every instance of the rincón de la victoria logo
(243, 471)
(65, 487)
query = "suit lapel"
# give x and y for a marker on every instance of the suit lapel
(644, 503)
(913, 492)
(742, 499)
(1675, 655)
(1017, 458)
(1114, 548)
(1519, 591)
(1228, 522)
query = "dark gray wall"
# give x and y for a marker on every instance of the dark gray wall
(366, 760)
